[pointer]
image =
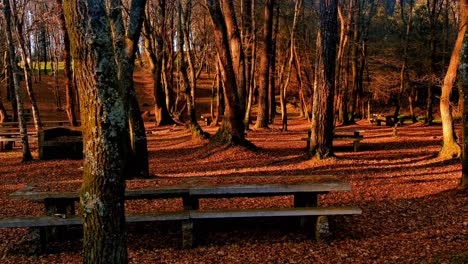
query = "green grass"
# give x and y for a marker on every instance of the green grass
(34, 66)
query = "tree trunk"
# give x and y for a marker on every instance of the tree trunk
(69, 87)
(18, 91)
(232, 129)
(263, 107)
(237, 51)
(154, 43)
(404, 76)
(434, 18)
(251, 66)
(105, 94)
(450, 149)
(125, 46)
(284, 88)
(272, 71)
(322, 113)
(341, 79)
(27, 71)
(189, 82)
(11, 95)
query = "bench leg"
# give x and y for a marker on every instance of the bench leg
(43, 239)
(321, 227)
(356, 144)
(59, 209)
(187, 234)
(305, 200)
(190, 203)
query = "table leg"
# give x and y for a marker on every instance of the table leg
(305, 200)
(187, 234)
(190, 203)
(58, 208)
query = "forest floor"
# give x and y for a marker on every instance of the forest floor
(412, 211)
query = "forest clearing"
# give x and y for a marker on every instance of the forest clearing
(233, 131)
(412, 211)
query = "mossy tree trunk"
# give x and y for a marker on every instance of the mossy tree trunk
(450, 148)
(323, 98)
(97, 43)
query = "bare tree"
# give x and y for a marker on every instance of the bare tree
(322, 111)
(18, 91)
(232, 130)
(154, 35)
(450, 148)
(265, 57)
(70, 89)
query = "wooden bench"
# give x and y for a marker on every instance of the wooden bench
(304, 192)
(45, 223)
(207, 118)
(11, 136)
(341, 135)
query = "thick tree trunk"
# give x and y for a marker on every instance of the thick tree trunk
(322, 121)
(18, 91)
(232, 129)
(263, 107)
(105, 95)
(237, 51)
(450, 149)
(125, 46)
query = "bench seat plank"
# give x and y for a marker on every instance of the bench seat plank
(274, 212)
(243, 190)
(53, 221)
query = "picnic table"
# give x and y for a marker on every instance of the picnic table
(59, 207)
(353, 135)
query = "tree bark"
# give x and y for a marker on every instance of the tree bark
(188, 81)
(101, 64)
(232, 130)
(67, 68)
(154, 43)
(18, 91)
(450, 148)
(125, 46)
(322, 113)
(26, 69)
(265, 56)
(237, 51)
